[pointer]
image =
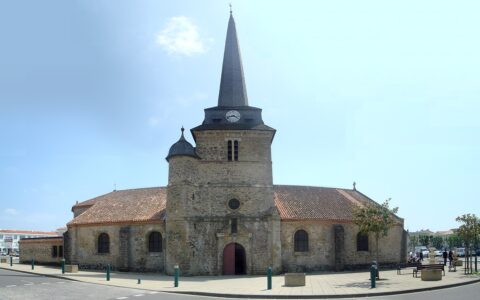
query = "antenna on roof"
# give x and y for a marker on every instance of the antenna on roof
(114, 187)
(354, 186)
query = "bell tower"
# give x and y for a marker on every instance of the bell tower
(227, 215)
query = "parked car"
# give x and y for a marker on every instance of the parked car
(422, 249)
(460, 252)
(438, 253)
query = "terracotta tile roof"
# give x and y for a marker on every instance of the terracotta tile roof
(316, 203)
(126, 206)
(13, 231)
(293, 203)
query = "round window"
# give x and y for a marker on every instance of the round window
(234, 203)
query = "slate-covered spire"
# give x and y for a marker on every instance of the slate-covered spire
(181, 148)
(233, 91)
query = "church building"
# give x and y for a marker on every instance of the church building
(220, 212)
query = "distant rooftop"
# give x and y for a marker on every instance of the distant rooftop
(14, 231)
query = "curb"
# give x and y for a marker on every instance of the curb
(40, 274)
(257, 296)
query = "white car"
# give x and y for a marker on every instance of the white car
(438, 253)
(460, 252)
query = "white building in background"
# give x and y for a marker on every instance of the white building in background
(9, 238)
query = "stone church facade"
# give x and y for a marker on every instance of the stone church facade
(220, 212)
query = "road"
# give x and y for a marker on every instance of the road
(17, 285)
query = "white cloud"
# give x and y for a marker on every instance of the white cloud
(181, 36)
(11, 211)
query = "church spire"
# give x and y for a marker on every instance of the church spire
(233, 91)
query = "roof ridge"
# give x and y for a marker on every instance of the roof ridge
(312, 186)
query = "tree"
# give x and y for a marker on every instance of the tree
(454, 241)
(469, 231)
(413, 242)
(375, 219)
(424, 240)
(437, 242)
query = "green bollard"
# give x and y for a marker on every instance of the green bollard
(373, 275)
(11, 261)
(33, 263)
(108, 272)
(269, 278)
(177, 271)
(63, 265)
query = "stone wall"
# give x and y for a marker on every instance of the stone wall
(128, 247)
(198, 217)
(40, 249)
(325, 254)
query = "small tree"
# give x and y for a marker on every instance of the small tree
(469, 231)
(437, 242)
(375, 219)
(413, 242)
(454, 241)
(424, 240)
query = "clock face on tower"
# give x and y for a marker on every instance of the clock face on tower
(232, 116)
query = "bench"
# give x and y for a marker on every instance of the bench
(430, 267)
(406, 265)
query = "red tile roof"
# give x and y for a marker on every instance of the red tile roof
(126, 206)
(315, 203)
(13, 231)
(293, 203)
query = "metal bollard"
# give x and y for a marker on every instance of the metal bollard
(269, 278)
(63, 265)
(139, 281)
(373, 275)
(33, 263)
(177, 272)
(108, 272)
(11, 261)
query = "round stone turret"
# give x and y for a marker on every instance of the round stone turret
(181, 148)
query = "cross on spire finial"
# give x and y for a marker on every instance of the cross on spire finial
(230, 4)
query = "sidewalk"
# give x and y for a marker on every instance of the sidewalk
(319, 285)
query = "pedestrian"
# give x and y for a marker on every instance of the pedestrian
(445, 255)
(421, 255)
(450, 257)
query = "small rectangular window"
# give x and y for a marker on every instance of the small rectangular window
(234, 226)
(54, 251)
(229, 150)
(235, 150)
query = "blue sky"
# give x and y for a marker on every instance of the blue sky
(384, 93)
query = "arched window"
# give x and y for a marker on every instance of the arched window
(301, 241)
(362, 242)
(103, 243)
(155, 242)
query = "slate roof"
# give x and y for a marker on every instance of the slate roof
(233, 91)
(148, 205)
(181, 148)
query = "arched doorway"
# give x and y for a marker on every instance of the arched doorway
(234, 262)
